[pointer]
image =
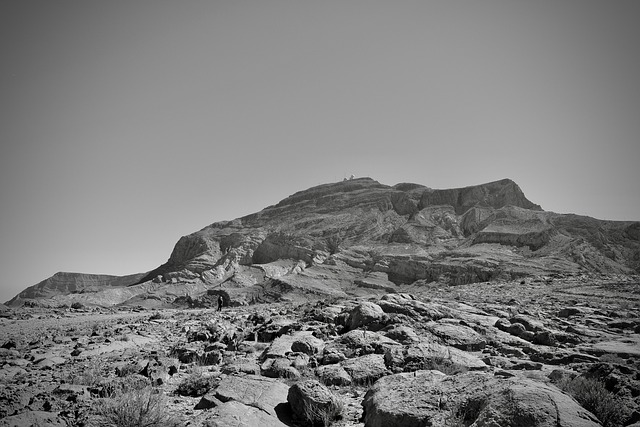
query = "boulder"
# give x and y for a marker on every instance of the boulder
(307, 344)
(459, 336)
(333, 375)
(401, 333)
(430, 355)
(259, 392)
(33, 418)
(407, 304)
(312, 403)
(365, 369)
(364, 342)
(279, 367)
(432, 398)
(366, 315)
(238, 414)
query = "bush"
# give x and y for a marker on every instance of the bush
(77, 305)
(90, 375)
(145, 407)
(196, 384)
(595, 398)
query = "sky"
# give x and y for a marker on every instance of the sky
(125, 125)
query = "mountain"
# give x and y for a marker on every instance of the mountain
(358, 236)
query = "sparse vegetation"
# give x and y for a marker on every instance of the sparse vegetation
(139, 408)
(324, 415)
(595, 398)
(90, 375)
(465, 413)
(333, 243)
(196, 384)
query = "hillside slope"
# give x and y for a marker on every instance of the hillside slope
(354, 235)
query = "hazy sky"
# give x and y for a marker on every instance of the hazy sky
(127, 124)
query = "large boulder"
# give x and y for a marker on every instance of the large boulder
(238, 414)
(313, 404)
(365, 369)
(366, 315)
(430, 355)
(333, 375)
(262, 393)
(432, 398)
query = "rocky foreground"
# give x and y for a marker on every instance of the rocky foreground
(560, 350)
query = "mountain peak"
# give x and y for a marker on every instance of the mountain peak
(336, 234)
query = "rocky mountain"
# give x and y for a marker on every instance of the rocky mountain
(347, 237)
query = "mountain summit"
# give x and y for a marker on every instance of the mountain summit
(356, 235)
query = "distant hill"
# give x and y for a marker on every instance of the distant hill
(359, 234)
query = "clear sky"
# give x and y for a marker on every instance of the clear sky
(127, 124)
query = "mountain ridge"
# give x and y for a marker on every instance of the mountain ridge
(400, 234)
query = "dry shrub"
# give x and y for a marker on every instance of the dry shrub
(90, 375)
(145, 407)
(324, 415)
(592, 395)
(196, 384)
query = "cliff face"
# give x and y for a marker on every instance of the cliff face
(334, 236)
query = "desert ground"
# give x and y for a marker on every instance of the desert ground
(425, 355)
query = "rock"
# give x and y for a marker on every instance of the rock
(545, 338)
(428, 355)
(308, 344)
(366, 315)
(432, 398)
(401, 333)
(569, 311)
(529, 323)
(332, 355)
(33, 418)
(365, 369)
(517, 329)
(208, 401)
(364, 342)
(238, 414)
(407, 304)
(281, 346)
(262, 393)
(333, 375)
(274, 328)
(312, 403)
(459, 336)
(503, 324)
(13, 400)
(279, 367)
(246, 366)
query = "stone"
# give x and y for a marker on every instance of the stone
(545, 338)
(333, 375)
(432, 398)
(407, 304)
(430, 355)
(307, 344)
(402, 334)
(365, 369)
(33, 418)
(262, 393)
(312, 403)
(332, 355)
(366, 315)
(459, 336)
(238, 414)
(279, 367)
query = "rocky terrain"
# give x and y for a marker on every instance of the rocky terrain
(348, 304)
(529, 352)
